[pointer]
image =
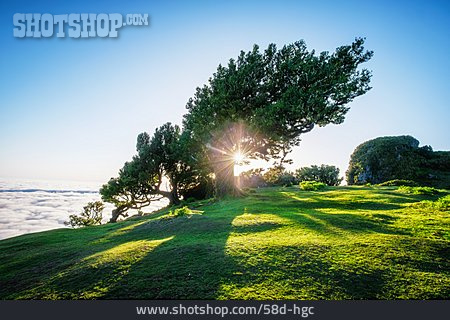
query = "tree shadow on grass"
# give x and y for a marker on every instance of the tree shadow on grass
(352, 223)
(301, 272)
(260, 227)
(51, 265)
(198, 264)
(190, 257)
(329, 216)
(190, 266)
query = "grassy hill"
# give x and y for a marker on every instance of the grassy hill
(277, 243)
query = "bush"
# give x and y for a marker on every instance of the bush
(399, 182)
(325, 174)
(312, 185)
(180, 212)
(418, 190)
(91, 215)
(398, 158)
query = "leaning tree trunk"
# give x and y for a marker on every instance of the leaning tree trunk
(117, 212)
(172, 196)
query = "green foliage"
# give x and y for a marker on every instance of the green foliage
(383, 159)
(279, 91)
(441, 204)
(276, 176)
(90, 216)
(325, 173)
(272, 175)
(398, 182)
(398, 158)
(168, 153)
(173, 152)
(135, 188)
(287, 179)
(181, 212)
(276, 95)
(312, 185)
(345, 243)
(418, 190)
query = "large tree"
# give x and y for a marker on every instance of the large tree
(261, 103)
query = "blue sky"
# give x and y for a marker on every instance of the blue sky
(71, 109)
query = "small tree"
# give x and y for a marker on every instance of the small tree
(325, 174)
(136, 187)
(165, 154)
(91, 215)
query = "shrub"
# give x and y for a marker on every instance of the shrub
(418, 190)
(181, 212)
(325, 173)
(91, 215)
(312, 185)
(399, 182)
(443, 203)
(388, 158)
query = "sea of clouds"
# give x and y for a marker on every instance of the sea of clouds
(31, 206)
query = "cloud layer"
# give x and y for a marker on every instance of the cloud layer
(33, 207)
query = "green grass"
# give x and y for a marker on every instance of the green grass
(276, 243)
(418, 190)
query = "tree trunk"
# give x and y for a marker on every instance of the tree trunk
(225, 181)
(172, 196)
(116, 213)
(175, 198)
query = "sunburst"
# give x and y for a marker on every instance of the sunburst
(238, 158)
(231, 148)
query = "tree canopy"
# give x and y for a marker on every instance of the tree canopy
(140, 181)
(263, 101)
(326, 174)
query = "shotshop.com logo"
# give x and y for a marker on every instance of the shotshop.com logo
(74, 25)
